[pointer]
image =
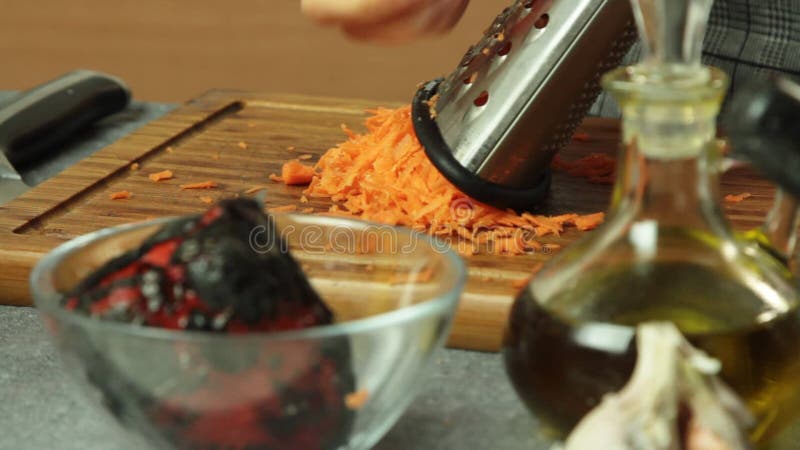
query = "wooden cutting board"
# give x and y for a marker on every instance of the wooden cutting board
(237, 139)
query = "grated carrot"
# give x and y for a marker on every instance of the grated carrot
(168, 149)
(284, 208)
(307, 210)
(160, 176)
(135, 166)
(275, 178)
(255, 189)
(201, 185)
(305, 157)
(242, 145)
(294, 172)
(597, 168)
(730, 198)
(581, 137)
(588, 222)
(356, 400)
(207, 200)
(121, 195)
(384, 176)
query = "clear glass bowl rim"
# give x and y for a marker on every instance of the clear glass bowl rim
(47, 299)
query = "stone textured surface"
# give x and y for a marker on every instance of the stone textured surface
(465, 402)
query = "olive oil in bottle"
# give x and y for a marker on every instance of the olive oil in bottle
(665, 253)
(564, 355)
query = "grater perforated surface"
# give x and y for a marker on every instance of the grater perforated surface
(493, 125)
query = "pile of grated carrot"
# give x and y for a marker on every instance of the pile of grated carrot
(384, 176)
(596, 168)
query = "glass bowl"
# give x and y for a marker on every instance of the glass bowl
(341, 386)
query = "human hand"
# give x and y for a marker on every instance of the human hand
(389, 21)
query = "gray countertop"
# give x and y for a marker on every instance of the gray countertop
(465, 401)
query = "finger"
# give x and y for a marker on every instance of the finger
(437, 18)
(358, 11)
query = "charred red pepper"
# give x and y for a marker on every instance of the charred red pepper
(205, 273)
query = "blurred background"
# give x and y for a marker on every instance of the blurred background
(174, 50)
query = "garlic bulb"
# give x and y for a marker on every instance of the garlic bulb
(674, 401)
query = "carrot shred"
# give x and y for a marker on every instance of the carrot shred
(597, 168)
(201, 185)
(121, 195)
(242, 145)
(135, 167)
(275, 178)
(207, 200)
(307, 210)
(356, 400)
(305, 157)
(160, 176)
(255, 189)
(589, 222)
(581, 137)
(385, 176)
(294, 172)
(731, 198)
(284, 208)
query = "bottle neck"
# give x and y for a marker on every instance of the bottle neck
(670, 175)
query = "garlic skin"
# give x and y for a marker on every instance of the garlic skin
(670, 379)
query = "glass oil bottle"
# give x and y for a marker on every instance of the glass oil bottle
(666, 252)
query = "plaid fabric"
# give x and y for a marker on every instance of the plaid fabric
(745, 38)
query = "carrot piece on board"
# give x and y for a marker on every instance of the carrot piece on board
(135, 167)
(275, 178)
(201, 185)
(597, 168)
(581, 137)
(242, 145)
(207, 200)
(356, 400)
(731, 198)
(121, 195)
(294, 172)
(589, 221)
(305, 157)
(160, 176)
(255, 189)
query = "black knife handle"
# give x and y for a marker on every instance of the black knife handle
(763, 125)
(42, 118)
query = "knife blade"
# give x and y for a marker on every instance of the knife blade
(35, 125)
(11, 184)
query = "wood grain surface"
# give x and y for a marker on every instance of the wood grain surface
(237, 139)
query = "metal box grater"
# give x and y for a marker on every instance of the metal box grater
(494, 124)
